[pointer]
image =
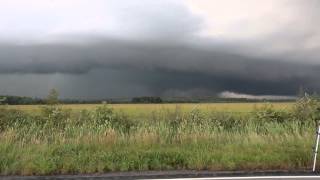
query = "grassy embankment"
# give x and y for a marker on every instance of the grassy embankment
(57, 140)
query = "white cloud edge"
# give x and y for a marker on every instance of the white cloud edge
(230, 94)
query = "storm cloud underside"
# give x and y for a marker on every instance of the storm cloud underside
(161, 48)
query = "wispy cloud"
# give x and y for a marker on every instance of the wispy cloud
(229, 94)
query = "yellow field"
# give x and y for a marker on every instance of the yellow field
(140, 109)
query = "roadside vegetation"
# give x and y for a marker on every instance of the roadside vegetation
(57, 140)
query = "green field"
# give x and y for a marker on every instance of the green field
(67, 139)
(143, 110)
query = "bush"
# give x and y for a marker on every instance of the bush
(224, 121)
(13, 118)
(306, 110)
(53, 116)
(267, 114)
(105, 117)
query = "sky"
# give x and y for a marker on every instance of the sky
(91, 49)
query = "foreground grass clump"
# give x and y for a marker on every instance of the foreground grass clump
(60, 141)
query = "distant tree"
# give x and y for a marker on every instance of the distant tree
(53, 97)
(2, 100)
(146, 100)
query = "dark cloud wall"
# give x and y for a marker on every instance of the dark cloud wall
(114, 68)
(159, 52)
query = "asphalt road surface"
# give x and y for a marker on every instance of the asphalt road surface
(179, 175)
(251, 178)
(203, 178)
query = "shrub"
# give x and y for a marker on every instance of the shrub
(196, 117)
(53, 116)
(267, 114)
(105, 117)
(306, 110)
(13, 118)
(224, 121)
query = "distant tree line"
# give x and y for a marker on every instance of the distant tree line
(53, 98)
(146, 100)
(17, 100)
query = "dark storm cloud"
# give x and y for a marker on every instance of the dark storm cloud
(164, 69)
(158, 52)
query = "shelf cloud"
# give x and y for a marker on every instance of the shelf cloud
(93, 49)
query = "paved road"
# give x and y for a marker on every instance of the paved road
(180, 175)
(203, 178)
(251, 178)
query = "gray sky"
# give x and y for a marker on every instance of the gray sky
(124, 48)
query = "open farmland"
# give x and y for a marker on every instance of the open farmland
(109, 86)
(145, 110)
(64, 139)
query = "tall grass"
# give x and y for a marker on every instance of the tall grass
(58, 140)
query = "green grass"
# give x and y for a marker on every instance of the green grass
(56, 140)
(145, 110)
(261, 153)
